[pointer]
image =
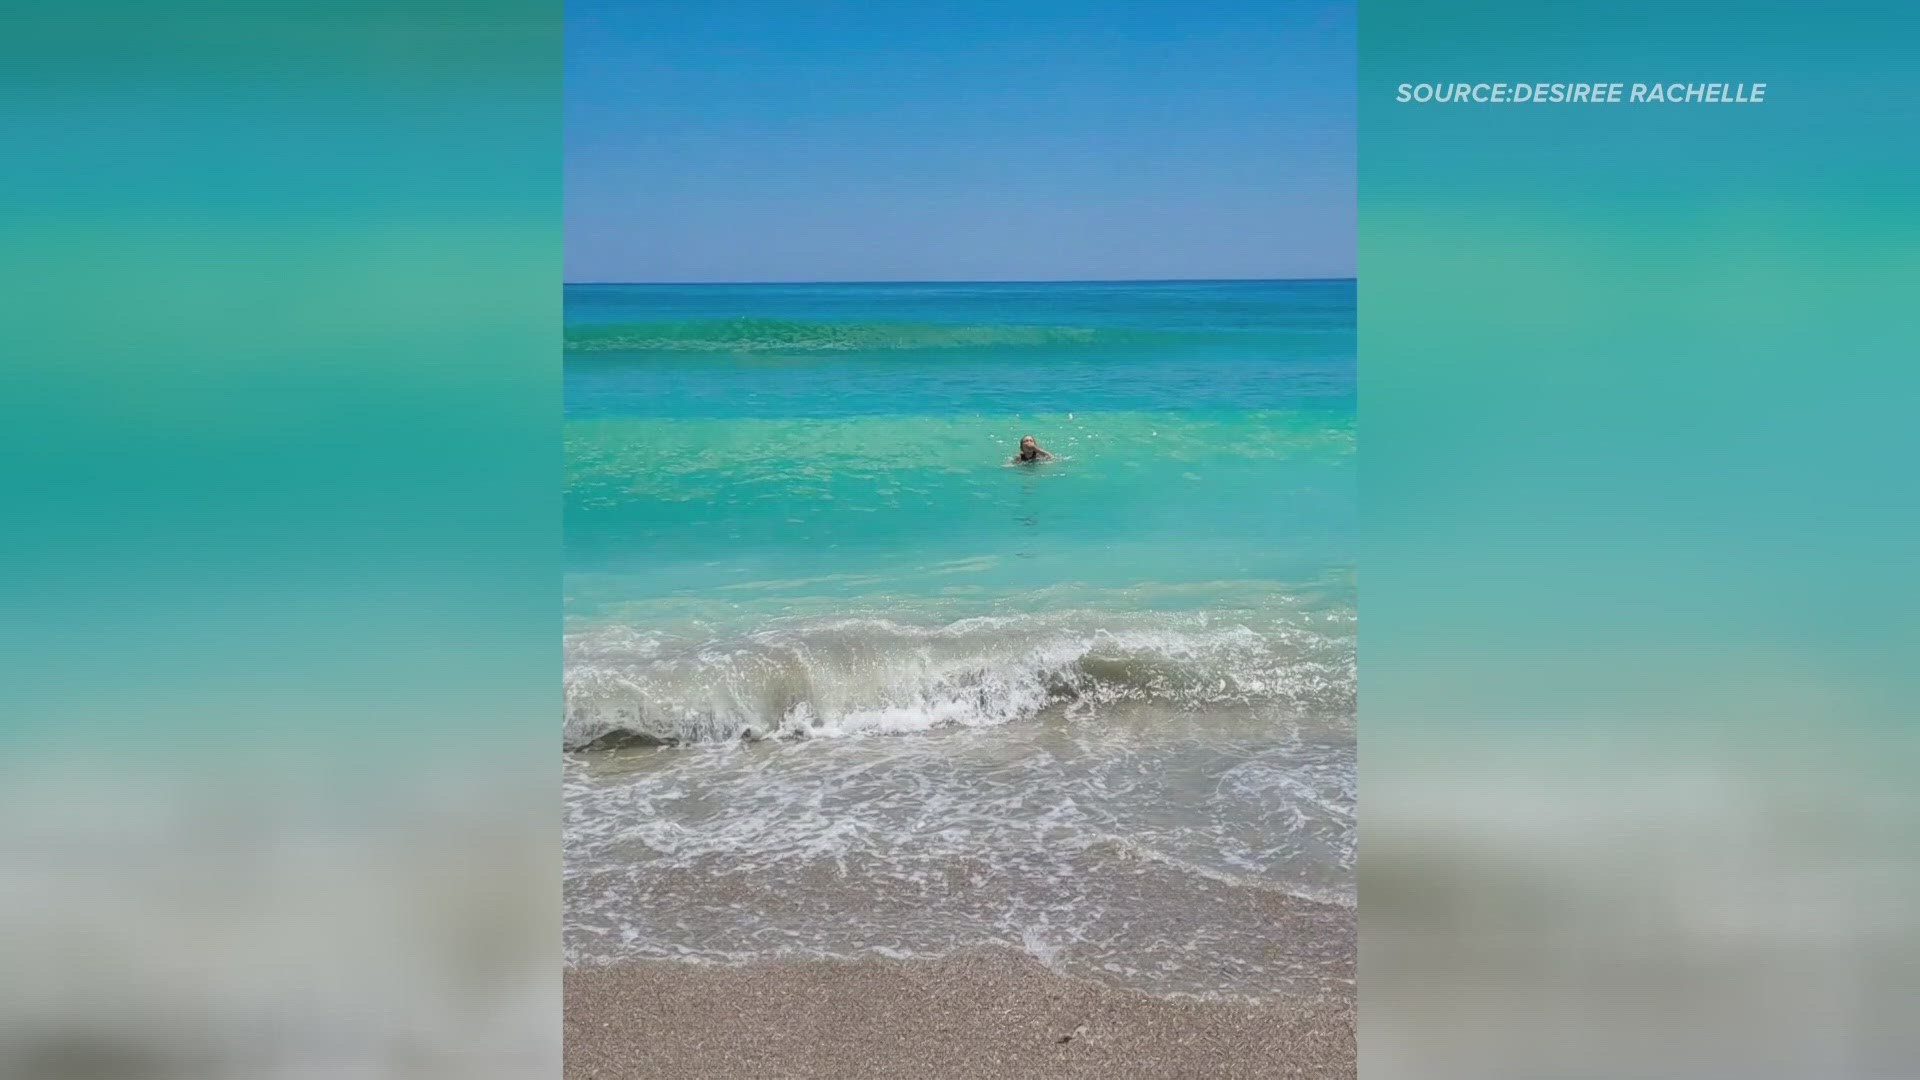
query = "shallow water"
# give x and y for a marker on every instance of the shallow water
(915, 698)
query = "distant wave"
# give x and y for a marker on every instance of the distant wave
(874, 676)
(773, 335)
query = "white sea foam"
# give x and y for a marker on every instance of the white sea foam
(1133, 835)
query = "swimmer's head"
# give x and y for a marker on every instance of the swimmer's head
(1027, 443)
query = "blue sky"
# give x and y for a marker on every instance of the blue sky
(735, 140)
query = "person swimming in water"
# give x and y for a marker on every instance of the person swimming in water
(1030, 451)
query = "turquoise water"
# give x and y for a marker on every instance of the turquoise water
(791, 518)
(734, 453)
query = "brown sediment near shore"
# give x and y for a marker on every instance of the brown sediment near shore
(981, 1016)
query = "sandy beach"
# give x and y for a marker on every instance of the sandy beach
(980, 1016)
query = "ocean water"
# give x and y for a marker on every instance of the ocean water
(842, 680)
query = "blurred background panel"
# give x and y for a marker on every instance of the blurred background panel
(1639, 606)
(279, 540)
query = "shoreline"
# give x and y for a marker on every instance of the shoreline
(979, 1015)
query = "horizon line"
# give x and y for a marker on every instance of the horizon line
(979, 281)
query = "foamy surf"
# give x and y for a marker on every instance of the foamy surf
(1137, 845)
(842, 677)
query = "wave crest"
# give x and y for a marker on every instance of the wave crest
(858, 676)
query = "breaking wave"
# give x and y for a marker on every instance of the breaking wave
(875, 676)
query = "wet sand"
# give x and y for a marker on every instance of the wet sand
(979, 1016)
